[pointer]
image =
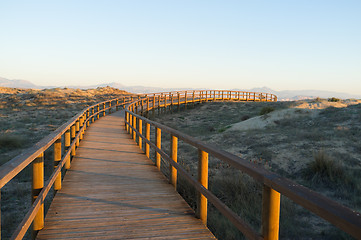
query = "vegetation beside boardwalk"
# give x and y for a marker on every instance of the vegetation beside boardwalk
(318, 148)
(26, 116)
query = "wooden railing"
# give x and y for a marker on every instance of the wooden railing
(273, 184)
(72, 133)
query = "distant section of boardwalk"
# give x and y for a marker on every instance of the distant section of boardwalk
(113, 191)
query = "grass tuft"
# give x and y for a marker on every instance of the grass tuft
(266, 110)
(323, 168)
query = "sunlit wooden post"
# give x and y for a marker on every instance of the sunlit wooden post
(73, 133)
(158, 143)
(117, 105)
(67, 145)
(127, 121)
(77, 125)
(135, 127)
(206, 96)
(174, 156)
(214, 95)
(222, 95)
(98, 109)
(37, 186)
(140, 129)
(202, 179)
(57, 158)
(110, 107)
(130, 124)
(104, 109)
(147, 136)
(147, 106)
(270, 213)
(87, 116)
(81, 123)
(165, 103)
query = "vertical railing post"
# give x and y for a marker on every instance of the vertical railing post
(147, 106)
(202, 179)
(153, 106)
(158, 143)
(127, 122)
(140, 129)
(147, 136)
(185, 99)
(67, 145)
(104, 109)
(222, 95)
(206, 96)
(130, 124)
(193, 99)
(98, 109)
(93, 119)
(171, 100)
(57, 159)
(214, 95)
(117, 105)
(81, 123)
(135, 127)
(174, 156)
(73, 133)
(142, 107)
(110, 107)
(158, 104)
(37, 186)
(270, 213)
(77, 127)
(178, 101)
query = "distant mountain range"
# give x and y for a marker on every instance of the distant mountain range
(282, 95)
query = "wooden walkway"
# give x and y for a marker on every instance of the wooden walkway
(113, 191)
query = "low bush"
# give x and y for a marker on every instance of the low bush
(8, 142)
(266, 110)
(333, 99)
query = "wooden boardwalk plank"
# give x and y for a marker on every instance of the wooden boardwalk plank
(112, 191)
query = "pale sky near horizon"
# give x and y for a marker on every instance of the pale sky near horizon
(284, 45)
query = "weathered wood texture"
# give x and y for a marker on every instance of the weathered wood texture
(113, 191)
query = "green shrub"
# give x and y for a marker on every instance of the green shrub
(245, 117)
(10, 142)
(266, 110)
(333, 99)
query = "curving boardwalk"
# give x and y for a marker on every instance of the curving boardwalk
(113, 191)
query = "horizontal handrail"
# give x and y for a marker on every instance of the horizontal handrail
(335, 213)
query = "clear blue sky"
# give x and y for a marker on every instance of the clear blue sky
(308, 44)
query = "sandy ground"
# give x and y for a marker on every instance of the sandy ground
(310, 108)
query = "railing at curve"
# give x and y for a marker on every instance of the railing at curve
(273, 185)
(72, 133)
